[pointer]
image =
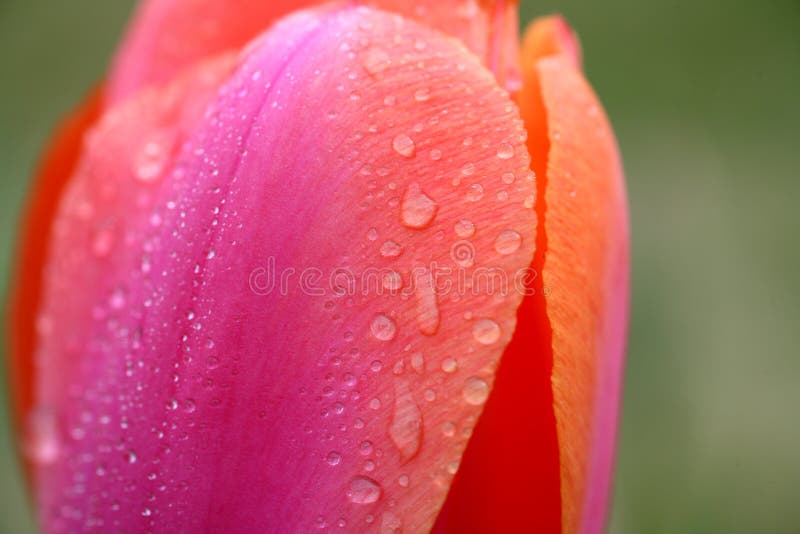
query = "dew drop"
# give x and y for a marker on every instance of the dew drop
(390, 249)
(475, 193)
(486, 331)
(422, 95)
(403, 481)
(404, 146)
(436, 154)
(151, 160)
(449, 429)
(392, 281)
(449, 365)
(406, 426)
(333, 458)
(507, 242)
(418, 362)
(465, 228)
(376, 60)
(428, 316)
(363, 490)
(417, 209)
(383, 327)
(475, 391)
(505, 151)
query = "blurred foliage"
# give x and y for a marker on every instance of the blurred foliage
(704, 97)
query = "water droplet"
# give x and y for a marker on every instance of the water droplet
(452, 467)
(449, 365)
(390, 249)
(465, 228)
(428, 317)
(436, 154)
(130, 457)
(151, 159)
(404, 146)
(475, 193)
(383, 327)
(376, 61)
(507, 242)
(392, 281)
(403, 480)
(475, 391)
(509, 178)
(486, 331)
(418, 362)
(363, 490)
(417, 209)
(390, 523)
(333, 458)
(449, 429)
(529, 202)
(372, 234)
(406, 427)
(422, 94)
(505, 151)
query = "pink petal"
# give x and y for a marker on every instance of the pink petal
(203, 398)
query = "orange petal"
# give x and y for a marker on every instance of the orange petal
(55, 168)
(586, 266)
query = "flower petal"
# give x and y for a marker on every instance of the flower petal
(55, 168)
(586, 266)
(167, 36)
(207, 396)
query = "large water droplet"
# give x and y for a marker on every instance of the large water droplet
(475, 391)
(417, 209)
(383, 327)
(486, 331)
(363, 490)
(507, 242)
(406, 426)
(428, 317)
(404, 146)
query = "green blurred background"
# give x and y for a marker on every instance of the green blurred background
(704, 98)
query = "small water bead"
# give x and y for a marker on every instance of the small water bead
(436, 154)
(383, 328)
(372, 234)
(486, 331)
(376, 60)
(151, 160)
(465, 228)
(392, 281)
(430, 395)
(449, 365)
(505, 151)
(449, 429)
(508, 242)
(509, 178)
(418, 362)
(529, 202)
(333, 458)
(403, 481)
(404, 146)
(391, 249)
(364, 490)
(468, 169)
(417, 209)
(422, 94)
(475, 391)
(375, 403)
(452, 467)
(365, 448)
(475, 193)
(502, 195)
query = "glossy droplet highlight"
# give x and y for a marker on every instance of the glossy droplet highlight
(406, 426)
(417, 209)
(404, 146)
(507, 242)
(383, 328)
(363, 490)
(486, 331)
(475, 391)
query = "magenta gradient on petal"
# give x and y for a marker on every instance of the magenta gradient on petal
(201, 400)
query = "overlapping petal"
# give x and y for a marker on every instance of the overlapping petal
(348, 146)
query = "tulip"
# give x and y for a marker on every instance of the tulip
(362, 268)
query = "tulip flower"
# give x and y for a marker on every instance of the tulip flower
(302, 265)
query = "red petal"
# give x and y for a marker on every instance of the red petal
(57, 165)
(586, 266)
(340, 142)
(167, 36)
